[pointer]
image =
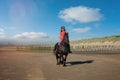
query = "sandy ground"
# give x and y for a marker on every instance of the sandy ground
(25, 65)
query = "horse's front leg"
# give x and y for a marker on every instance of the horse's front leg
(58, 59)
(64, 59)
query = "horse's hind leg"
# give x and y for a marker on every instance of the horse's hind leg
(57, 58)
(60, 59)
(57, 61)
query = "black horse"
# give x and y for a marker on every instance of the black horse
(61, 54)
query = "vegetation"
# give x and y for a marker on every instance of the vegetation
(97, 44)
(104, 39)
(40, 47)
(34, 48)
(105, 43)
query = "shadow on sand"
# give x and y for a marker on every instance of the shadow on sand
(80, 62)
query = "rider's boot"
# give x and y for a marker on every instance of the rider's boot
(69, 49)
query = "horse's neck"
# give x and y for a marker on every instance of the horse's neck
(66, 38)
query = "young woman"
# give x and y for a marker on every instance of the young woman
(63, 38)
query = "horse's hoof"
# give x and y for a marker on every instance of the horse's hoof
(61, 62)
(64, 65)
(58, 64)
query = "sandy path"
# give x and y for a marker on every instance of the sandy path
(18, 65)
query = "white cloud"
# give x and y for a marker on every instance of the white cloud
(26, 38)
(81, 14)
(81, 30)
(31, 35)
(97, 25)
(1, 31)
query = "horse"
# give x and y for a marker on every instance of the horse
(62, 53)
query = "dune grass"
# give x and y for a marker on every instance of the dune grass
(104, 39)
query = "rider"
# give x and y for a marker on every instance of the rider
(62, 37)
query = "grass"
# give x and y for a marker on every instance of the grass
(34, 48)
(104, 39)
(113, 42)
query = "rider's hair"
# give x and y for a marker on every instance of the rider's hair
(63, 27)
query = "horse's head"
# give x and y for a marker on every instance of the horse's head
(65, 47)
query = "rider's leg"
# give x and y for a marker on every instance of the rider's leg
(69, 48)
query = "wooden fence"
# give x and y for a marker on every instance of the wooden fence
(96, 47)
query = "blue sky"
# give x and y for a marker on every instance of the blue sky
(35, 21)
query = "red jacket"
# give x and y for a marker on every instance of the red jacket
(62, 34)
